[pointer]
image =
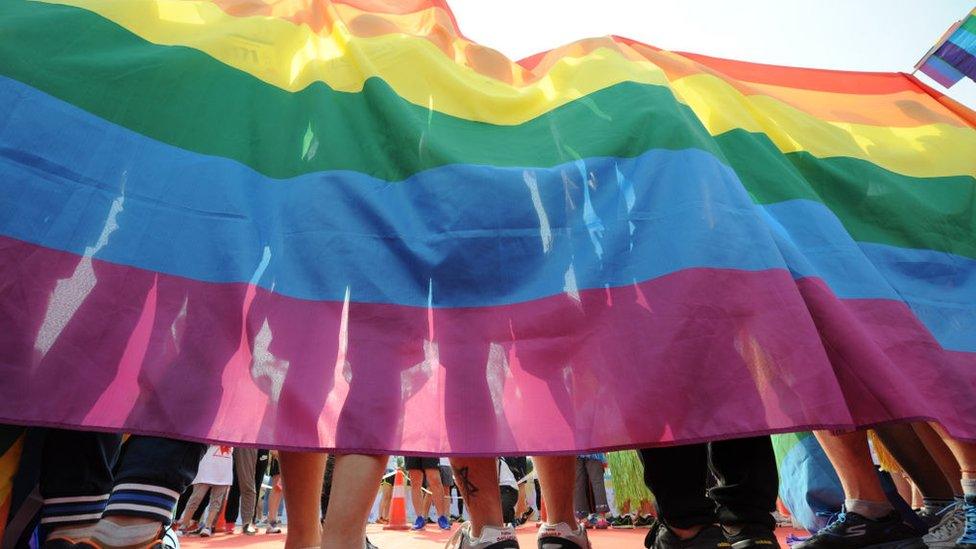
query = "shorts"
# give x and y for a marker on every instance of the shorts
(518, 465)
(419, 463)
(275, 469)
(447, 476)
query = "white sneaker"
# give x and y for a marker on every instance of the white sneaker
(944, 534)
(205, 532)
(562, 536)
(492, 537)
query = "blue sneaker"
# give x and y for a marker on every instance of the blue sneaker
(968, 539)
(420, 523)
(443, 523)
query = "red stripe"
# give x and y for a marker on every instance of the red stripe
(700, 354)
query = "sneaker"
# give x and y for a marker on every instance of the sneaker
(752, 536)
(646, 521)
(625, 522)
(968, 538)
(229, 529)
(562, 536)
(710, 537)
(491, 538)
(273, 528)
(419, 524)
(205, 532)
(443, 523)
(948, 529)
(854, 531)
(248, 530)
(601, 523)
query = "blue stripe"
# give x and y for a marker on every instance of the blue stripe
(68, 509)
(460, 235)
(964, 39)
(142, 498)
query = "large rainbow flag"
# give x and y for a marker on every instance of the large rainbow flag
(342, 224)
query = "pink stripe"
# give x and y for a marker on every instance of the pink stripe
(701, 354)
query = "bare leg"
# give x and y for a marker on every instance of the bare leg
(274, 499)
(436, 491)
(354, 481)
(302, 474)
(965, 453)
(416, 491)
(556, 476)
(912, 455)
(849, 454)
(385, 500)
(477, 479)
(943, 456)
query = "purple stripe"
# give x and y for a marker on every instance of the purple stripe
(696, 355)
(958, 58)
(938, 70)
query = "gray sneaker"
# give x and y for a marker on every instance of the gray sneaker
(491, 538)
(949, 528)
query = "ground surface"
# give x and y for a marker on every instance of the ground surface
(433, 538)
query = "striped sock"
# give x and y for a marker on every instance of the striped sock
(142, 500)
(73, 510)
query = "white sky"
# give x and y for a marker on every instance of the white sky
(869, 35)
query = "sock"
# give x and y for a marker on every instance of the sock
(868, 509)
(969, 487)
(934, 506)
(108, 533)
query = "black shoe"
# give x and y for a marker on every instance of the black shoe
(710, 537)
(752, 536)
(854, 531)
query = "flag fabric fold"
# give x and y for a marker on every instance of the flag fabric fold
(342, 224)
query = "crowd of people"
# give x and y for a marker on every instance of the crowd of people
(101, 490)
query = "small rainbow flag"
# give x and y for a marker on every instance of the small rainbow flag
(342, 224)
(954, 56)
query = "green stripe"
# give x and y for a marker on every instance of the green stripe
(181, 96)
(969, 24)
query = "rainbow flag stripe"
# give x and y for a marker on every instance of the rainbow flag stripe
(343, 224)
(954, 58)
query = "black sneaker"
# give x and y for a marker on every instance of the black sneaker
(752, 536)
(710, 537)
(854, 531)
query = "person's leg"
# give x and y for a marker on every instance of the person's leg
(76, 480)
(260, 469)
(245, 462)
(942, 455)
(355, 477)
(580, 489)
(748, 482)
(218, 494)
(594, 472)
(416, 477)
(233, 507)
(477, 478)
(386, 498)
(965, 453)
(301, 473)
(869, 518)
(196, 496)
(911, 454)
(436, 491)
(327, 486)
(676, 476)
(556, 484)
(274, 503)
(508, 496)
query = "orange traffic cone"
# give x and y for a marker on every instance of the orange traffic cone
(398, 505)
(221, 525)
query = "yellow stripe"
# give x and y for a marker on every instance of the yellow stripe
(291, 57)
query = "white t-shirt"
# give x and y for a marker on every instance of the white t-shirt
(216, 467)
(505, 476)
(445, 462)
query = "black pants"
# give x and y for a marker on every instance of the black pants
(746, 482)
(509, 498)
(327, 484)
(84, 476)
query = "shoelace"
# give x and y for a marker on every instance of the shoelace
(969, 535)
(832, 519)
(455, 541)
(947, 526)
